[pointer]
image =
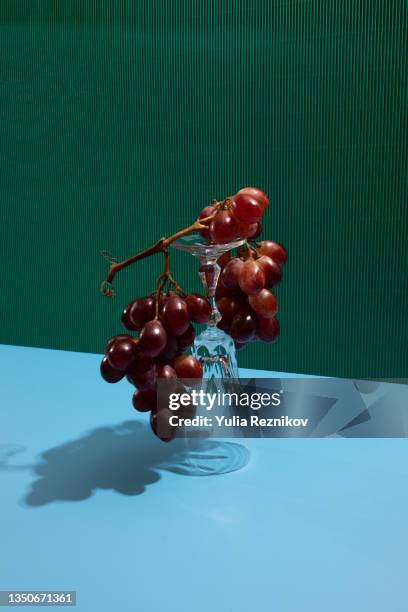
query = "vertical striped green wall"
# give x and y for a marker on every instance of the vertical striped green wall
(119, 120)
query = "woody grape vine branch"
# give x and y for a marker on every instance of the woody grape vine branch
(160, 246)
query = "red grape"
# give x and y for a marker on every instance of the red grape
(267, 329)
(141, 311)
(199, 308)
(224, 324)
(169, 376)
(143, 379)
(187, 366)
(258, 231)
(112, 340)
(274, 250)
(186, 339)
(164, 297)
(109, 373)
(153, 338)
(251, 277)
(246, 209)
(206, 212)
(141, 361)
(243, 326)
(221, 291)
(186, 412)
(271, 269)
(228, 308)
(230, 274)
(167, 372)
(223, 227)
(160, 424)
(144, 400)
(126, 322)
(247, 230)
(170, 350)
(175, 316)
(257, 194)
(121, 354)
(224, 259)
(264, 303)
(236, 293)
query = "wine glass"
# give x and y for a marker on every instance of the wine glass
(213, 347)
(216, 351)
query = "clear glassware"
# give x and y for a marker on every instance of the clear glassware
(216, 351)
(213, 347)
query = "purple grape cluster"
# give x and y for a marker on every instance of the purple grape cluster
(158, 351)
(244, 299)
(163, 322)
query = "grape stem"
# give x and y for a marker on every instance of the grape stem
(162, 280)
(251, 250)
(165, 277)
(160, 246)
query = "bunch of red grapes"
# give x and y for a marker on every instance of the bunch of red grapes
(237, 217)
(163, 320)
(159, 352)
(244, 299)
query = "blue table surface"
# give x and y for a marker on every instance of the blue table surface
(91, 502)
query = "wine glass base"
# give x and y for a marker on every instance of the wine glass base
(208, 457)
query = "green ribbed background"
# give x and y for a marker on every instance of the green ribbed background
(120, 120)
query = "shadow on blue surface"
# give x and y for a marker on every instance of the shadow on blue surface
(124, 458)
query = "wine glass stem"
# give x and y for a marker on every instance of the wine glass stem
(209, 272)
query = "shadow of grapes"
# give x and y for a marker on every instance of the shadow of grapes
(124, 458)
